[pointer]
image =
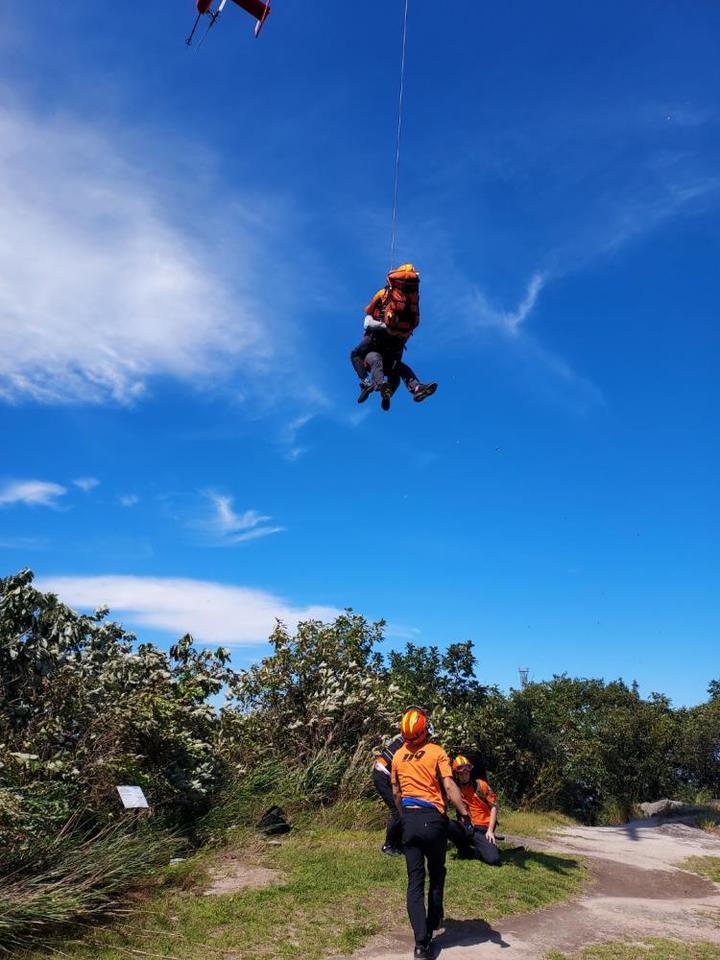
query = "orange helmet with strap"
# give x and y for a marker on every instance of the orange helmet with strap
(460, 763)
(415, 726)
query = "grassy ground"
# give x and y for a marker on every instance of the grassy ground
(526, 823)
(652, 949)
(336, 891)
(706, 866)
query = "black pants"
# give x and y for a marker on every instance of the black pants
(378, 356)
(381, 365)
(358, 354)
(477, 846)
(425, 835)
(393, 833)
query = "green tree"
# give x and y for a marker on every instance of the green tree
(323, 688)
(698, 749)
(84, 707)
(445, 684)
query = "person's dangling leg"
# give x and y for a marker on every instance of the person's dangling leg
(407, 375)
(357, 359)
(374, 364)
(390, 386)
(420, 391)
(391, 355)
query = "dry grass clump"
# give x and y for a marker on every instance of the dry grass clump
(77, 880)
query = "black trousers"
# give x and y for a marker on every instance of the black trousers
(477, 846)
(381, 365)
(378, 356)
(358, 354)
(393, 833)
(425, 835)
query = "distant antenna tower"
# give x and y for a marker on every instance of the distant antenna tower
(523, 671)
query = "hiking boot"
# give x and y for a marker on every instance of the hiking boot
(365, 390)
(391, 851)
(422, 951)
(423, 391)
(387, 392)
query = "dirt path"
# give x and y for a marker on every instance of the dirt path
(636, 889)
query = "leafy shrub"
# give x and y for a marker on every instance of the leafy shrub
(84, 708)
(322, 690)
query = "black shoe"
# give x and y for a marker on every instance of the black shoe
(465, 855)
(422, 952)
(391, 851)
(423, 391)
(365, 391)
(387, 391)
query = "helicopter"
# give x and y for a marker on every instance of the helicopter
(256, 8)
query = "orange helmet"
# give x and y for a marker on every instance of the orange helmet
(460, 762)
(415, 725)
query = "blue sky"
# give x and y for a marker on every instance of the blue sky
(189, 238)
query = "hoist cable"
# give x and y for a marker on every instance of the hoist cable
(401, 98)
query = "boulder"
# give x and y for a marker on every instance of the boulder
(665, 808)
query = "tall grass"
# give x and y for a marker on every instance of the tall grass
(78, 880)
(329, 778)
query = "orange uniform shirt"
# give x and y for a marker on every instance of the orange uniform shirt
(419, 773)
(373, 307)
(479, 808)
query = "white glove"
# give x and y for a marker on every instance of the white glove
(370, 323)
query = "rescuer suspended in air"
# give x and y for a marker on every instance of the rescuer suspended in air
(391, 318)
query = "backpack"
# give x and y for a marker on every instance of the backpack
(390, 749)
(273, 822)
(401, 303)
(481, 792)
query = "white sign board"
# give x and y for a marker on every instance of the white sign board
(133, 798)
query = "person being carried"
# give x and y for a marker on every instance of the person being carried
(381, 781)
(391, 317)
(422, 780)
(481, 802)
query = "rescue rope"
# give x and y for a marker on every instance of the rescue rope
(393, 232)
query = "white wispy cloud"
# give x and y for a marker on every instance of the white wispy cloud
(103, 285)
(23, 543)
(552, 375)
(646, 208)
(212, 612)
(398, 631)
(128, 500)
(86, 483)
(482, 313)
(228, 528)
(670, 185)
(513, 321)
(622, 177)
(289, 433)
(31, 493)
(293, 450)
